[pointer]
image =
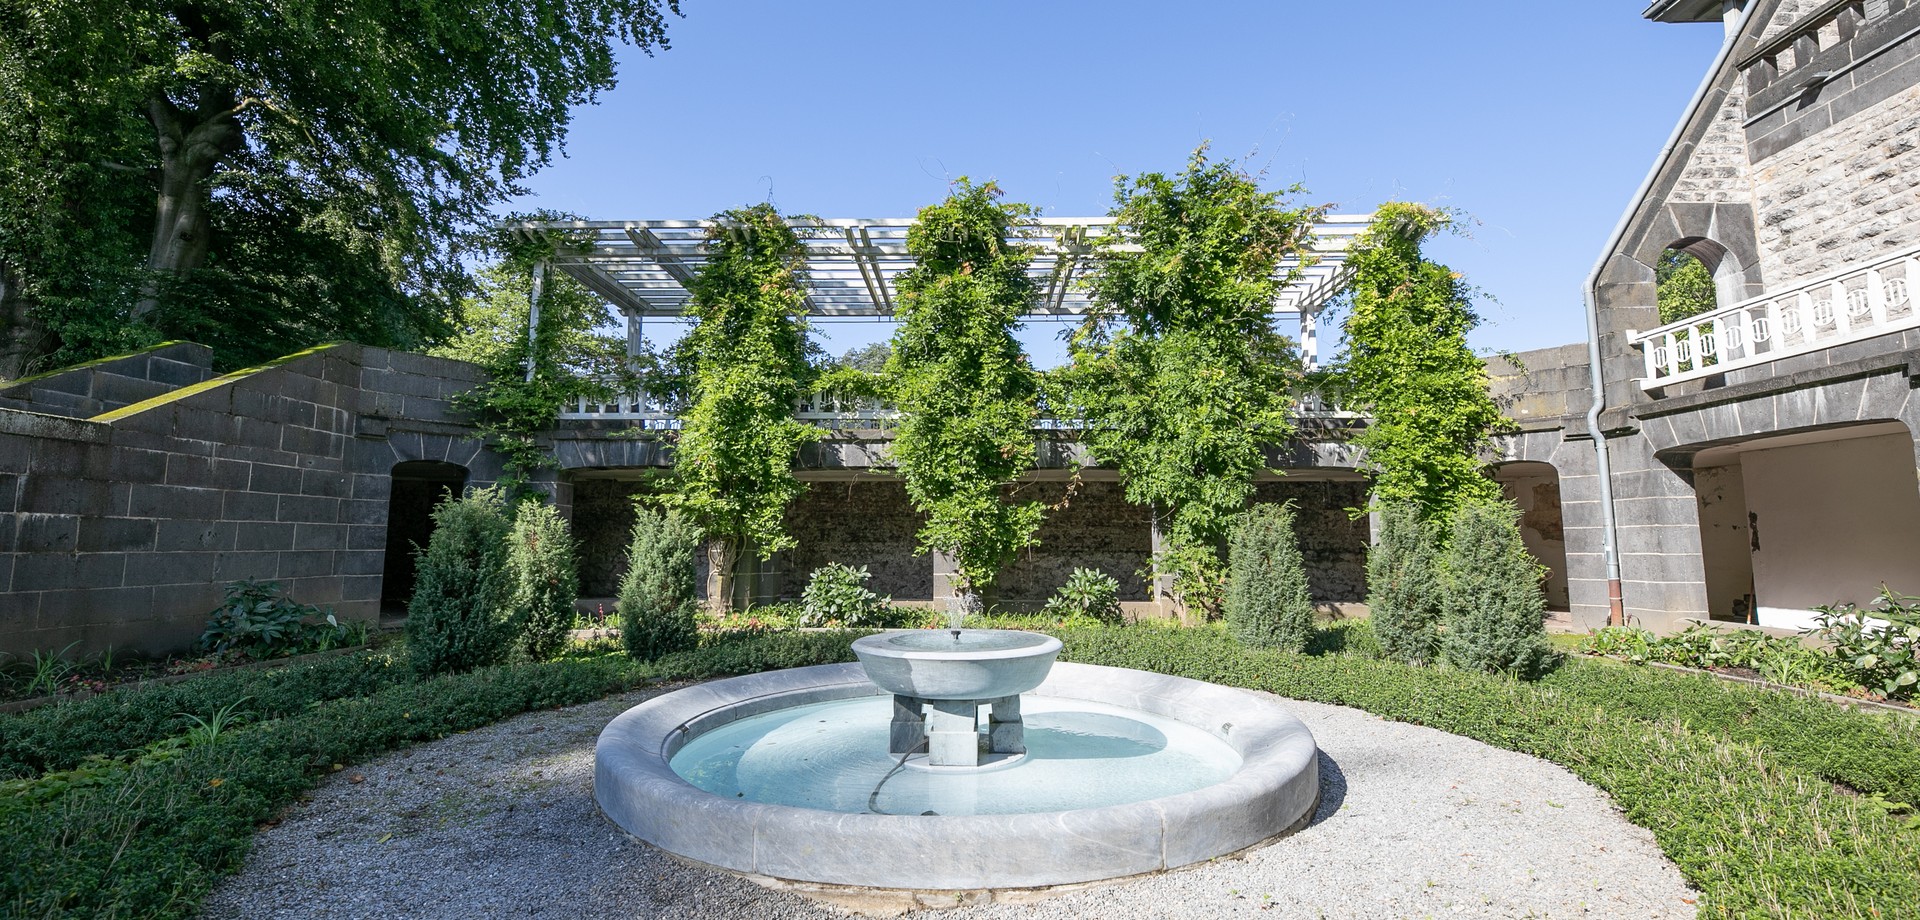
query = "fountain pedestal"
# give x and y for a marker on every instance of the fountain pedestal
(950, 729)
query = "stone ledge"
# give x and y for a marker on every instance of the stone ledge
(1907, 363)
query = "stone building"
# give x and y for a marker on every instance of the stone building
(1761, 454)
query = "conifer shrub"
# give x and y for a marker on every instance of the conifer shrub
(1403, 585)
(458, 618)
(1268, 605)
(545, 581)
(657, 602)
(1490, 594)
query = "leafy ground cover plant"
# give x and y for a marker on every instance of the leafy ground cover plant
(1745, 652)
(837, 595)
(1883, 656)
(1088, 593)
(258, 620)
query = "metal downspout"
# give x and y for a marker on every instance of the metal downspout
(1610, 535)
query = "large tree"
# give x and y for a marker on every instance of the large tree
(1180, 374)
(965, 389)
(221, 162)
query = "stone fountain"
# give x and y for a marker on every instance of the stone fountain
(941, 679)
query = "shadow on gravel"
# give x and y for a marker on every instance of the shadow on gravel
(1333, 789)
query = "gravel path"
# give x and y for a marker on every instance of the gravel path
(501, 822)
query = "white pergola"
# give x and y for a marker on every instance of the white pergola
(645, 267)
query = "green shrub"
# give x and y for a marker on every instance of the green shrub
(657, 602)
(545, 581)
(458, 619)
(259, 620)
(1490, 594)
(1403, 585)
(147, 835)
(1886, 658)
(1088, 593)
(1267, 603)
(1778, 659)
(838, 595)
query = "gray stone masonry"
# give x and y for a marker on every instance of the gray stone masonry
(90, 389)
(120, 531)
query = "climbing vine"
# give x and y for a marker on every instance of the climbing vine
(1181, 379)
(577, 351)
(744, 364)
(964, 387)
(1408, 368)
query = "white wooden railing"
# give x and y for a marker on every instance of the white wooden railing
(838, 412)
(1857, 302)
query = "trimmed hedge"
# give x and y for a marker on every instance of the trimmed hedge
(150, 837)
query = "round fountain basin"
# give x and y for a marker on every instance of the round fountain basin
(981, 664)
(1266, 786)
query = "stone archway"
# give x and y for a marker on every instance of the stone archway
(1535, 488)
(418, 485)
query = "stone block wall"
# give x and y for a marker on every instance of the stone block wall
(101, 386)
(863, 521)
(1333, 540)
(121, 530)
(1090, 525)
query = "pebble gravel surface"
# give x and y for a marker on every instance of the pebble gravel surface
(501, 822)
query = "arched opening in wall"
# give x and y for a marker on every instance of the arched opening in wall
(1795, 521)
(1685, 277)
(418, 485)
(1535, 488)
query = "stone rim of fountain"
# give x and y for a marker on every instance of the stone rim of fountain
(1273, 793)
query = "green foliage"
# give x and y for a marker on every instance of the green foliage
(1408, 368)
(1268, 605)
(871, 359)
(1403, 585)
(1490, 594)
(1685, 288)
(265, 182)
(458, 618)
(657, 603)
(837, 595)
(147, 834)
(545, 580)
(1088, 593)
(962, 383)
(258, 619)
(1885, 658)
(1783, 661)
(1179, 376)
(1737, 784)
(745, 363)
(577, 352)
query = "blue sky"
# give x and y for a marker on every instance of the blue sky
(1536, 119)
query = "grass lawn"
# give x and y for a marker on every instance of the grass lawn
(131, 804)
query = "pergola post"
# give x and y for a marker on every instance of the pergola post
(533, 315)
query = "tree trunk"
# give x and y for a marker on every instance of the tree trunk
(22, 336)
(723, 555)
(191, 145)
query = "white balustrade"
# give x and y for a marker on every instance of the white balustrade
(1857, 302)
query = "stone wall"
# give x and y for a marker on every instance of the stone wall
(602, 527)
(121, 530)
(865, 521)
(1090, 525)
(90, 389)
(1333, 541)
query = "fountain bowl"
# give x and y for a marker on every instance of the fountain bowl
(1274, 792)
(980, 664)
